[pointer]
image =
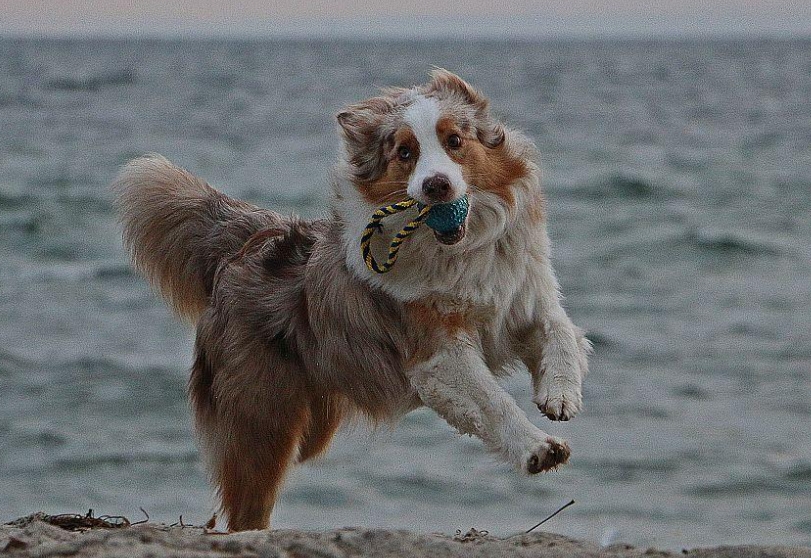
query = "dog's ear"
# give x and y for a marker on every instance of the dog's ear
(361, 121)
(363, 129)
(448, 82)
(489, 131)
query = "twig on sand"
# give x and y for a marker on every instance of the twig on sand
(143, 511)
(560, 509)
(78, 522)
(180, 523)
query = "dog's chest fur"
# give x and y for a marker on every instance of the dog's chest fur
(492, 277)
(485, 290)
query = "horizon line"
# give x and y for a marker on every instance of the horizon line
(427, 28)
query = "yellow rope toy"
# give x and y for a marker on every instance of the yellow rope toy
(394, 247)
(441, 217)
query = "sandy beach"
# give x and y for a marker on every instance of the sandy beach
(31, 536)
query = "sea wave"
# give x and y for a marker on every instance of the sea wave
(746, 486)
(621, 186)
(729, 243)
(121, 459)
(66, 270)
(124, 76)
(16, 201)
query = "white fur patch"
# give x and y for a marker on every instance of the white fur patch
(457, 384)
(422, 116)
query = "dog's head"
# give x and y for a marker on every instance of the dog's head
(435, 143)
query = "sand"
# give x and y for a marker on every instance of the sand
(31, 536)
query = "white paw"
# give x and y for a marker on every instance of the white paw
(559, 399)
(549, 454)
(559, 395)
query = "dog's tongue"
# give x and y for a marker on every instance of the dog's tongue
(451, 237)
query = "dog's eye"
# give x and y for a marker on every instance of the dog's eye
(404, 153)
(454, 141)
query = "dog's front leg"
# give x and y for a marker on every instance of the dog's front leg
(457, 384)
(558, 366)
(558, 358)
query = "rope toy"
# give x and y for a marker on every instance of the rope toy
(441, 217)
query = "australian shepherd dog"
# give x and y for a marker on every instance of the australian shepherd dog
(295, 334)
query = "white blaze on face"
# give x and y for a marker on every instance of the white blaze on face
(422, 116)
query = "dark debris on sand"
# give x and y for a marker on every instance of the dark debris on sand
(44, 536)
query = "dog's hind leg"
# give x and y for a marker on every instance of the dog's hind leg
(255, 455)
(251, 415)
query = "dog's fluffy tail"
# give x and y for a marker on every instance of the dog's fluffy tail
(178, 229)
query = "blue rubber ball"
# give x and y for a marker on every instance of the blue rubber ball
(447, 217)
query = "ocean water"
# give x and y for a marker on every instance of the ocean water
(679, 183)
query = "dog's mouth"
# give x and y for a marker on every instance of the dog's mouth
(452, 237)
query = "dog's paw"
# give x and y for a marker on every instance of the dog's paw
(558, 389)
(558, 399)
(549, 454)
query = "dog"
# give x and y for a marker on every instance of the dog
(295, 334)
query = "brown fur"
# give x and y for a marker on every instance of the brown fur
(433, 327)
(488, 131)
(178, 229)
(372, 131)
(259, 399)
(365, 128)
(493, 169)
(390, 186)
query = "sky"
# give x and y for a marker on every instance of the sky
(407, 18)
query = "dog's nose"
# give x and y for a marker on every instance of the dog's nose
(437, 188)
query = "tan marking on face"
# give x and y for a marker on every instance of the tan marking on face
(490, 169)
(391, 186)
(447, 126)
